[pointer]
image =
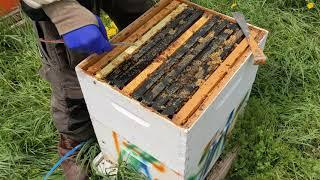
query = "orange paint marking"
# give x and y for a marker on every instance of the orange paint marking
(160, 167)
(116, 142)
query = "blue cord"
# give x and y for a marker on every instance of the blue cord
(69, 153)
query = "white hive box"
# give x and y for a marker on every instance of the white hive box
(186, 145)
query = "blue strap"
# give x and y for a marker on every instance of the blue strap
(69, 153)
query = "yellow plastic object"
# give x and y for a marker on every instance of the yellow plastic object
(111, 29)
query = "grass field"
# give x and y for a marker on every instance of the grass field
(279, 132)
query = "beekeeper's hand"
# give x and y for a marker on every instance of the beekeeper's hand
(88, 39)
(81, 30)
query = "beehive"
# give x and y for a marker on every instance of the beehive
(166, 102)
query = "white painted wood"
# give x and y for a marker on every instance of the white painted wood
(158, 136)
(214, 118)
(179, 150)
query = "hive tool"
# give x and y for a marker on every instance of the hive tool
(259, 56)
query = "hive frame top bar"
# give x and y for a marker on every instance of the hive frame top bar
(129, 30)
(196, 105)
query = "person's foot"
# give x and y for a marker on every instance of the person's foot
(71, 170)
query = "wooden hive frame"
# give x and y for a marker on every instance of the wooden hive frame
(149, 24)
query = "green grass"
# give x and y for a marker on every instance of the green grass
(279, 132)
(27, 136)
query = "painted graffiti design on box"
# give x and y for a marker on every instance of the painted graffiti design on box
(139, 159)
(214, 148)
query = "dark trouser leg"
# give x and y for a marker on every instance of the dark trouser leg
(69, 111)
(123, 12)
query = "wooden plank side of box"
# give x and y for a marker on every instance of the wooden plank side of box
(218, 114)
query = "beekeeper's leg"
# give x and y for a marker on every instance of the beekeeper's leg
(69, 111)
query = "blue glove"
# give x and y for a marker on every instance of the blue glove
(88, 39)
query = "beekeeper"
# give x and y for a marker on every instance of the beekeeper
(77, 23)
